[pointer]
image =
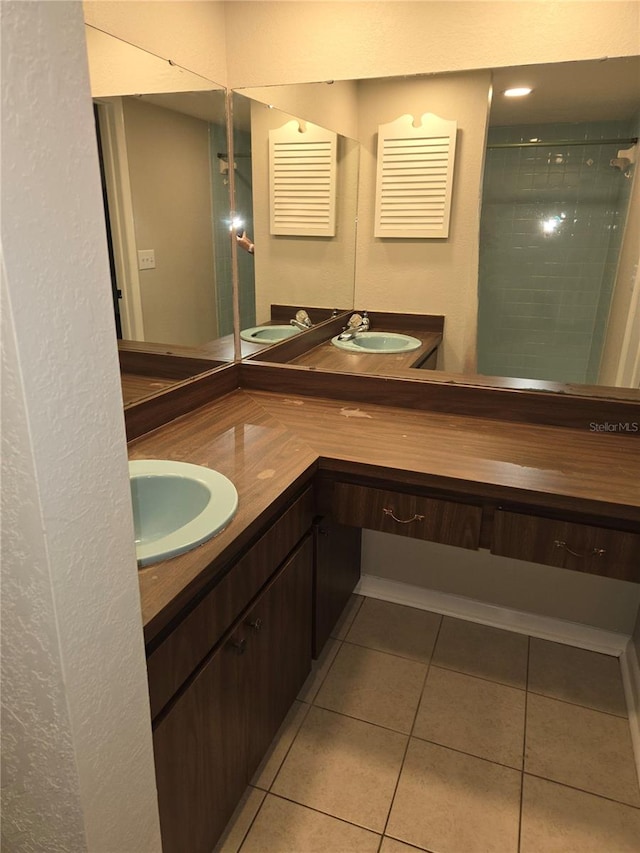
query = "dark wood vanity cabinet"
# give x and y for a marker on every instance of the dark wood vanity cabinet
(406, 514)
(336, 574)
(566, 544)
(222, 678)
(212, 736)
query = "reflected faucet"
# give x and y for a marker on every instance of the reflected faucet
(301, 321)
(356, 324)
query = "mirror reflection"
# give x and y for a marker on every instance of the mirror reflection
(160, 131)
(549, 294)
(302, 256)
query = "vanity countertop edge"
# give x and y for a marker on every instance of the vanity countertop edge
(271, 445)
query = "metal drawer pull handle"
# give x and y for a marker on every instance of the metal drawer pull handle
(596, 552)
(389, 511)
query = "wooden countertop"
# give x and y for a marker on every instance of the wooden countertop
(329, 357)
(270, 444)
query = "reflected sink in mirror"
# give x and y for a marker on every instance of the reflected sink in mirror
(177, 506)
(378, 342)
(268, 334)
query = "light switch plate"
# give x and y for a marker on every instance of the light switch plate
(146, 259)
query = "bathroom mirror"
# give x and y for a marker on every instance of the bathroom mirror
(161, 129)
(551, 288)
(297, 270)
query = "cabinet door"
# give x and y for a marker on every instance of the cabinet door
(336, 574)
(200, 755)
(278, 657)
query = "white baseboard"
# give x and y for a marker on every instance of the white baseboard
(631, 680)
(544, 627)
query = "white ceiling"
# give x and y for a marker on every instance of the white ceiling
(599, 90)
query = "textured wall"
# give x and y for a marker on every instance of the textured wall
(191, 34)
(77, 750)
(341, 40)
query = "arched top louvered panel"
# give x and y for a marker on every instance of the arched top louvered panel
(415, 177)
(302, 180)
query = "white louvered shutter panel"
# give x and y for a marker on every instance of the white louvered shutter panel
(415, 177)
(302, 180)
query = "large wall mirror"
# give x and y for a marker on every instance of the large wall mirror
(162, 138)
(291, 272)
(549, 293)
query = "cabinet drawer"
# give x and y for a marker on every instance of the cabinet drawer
(581, 547)
(180, 653)
(448, 522)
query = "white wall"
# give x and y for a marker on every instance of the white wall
(77, 751)
(189, 32)
(513, 584)
(294, 42)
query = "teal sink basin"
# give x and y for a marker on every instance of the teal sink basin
(268, 334)
(378, 342)
(177, 506)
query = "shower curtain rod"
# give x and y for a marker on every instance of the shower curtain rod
(632, 140)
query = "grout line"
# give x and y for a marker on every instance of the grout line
(583, 791)
(524, 742)
(578, 705)
(326, 814)
(251, 822)
(468, 754)
(478, 677)
(293, 740)
(391, 654)
(413, 725)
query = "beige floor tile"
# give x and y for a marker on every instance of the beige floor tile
(373, 686)
(556, 819)
(455, 803)
(270, 764)
(238, 826)
(319, 670)
(473, 715)
(483, 651)
(396, 629)
(343, 767)
(582, 748)
(390, 845)
(576, 675)
(349, 613)
(285, 827)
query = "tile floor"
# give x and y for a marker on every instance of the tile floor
(421, 732)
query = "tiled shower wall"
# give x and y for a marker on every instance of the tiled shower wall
(551, 229)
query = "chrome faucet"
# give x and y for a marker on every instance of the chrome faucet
(301, 321)
(357, 323)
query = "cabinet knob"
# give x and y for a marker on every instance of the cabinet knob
(389, 511)
(239, 646)
(256, 624)
(595, 552)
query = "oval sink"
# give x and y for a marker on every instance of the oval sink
(177, 506)
(268, 334)
(378, 342)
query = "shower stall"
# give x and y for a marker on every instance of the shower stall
(553, 214)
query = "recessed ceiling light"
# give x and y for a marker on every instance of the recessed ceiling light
(518, 92)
